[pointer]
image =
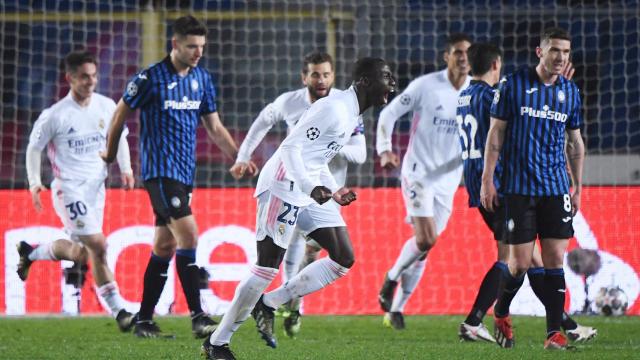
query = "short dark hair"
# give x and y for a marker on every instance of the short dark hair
(77, 58)
(455, 38)
(316, 58)
(367, 67)
(554, 33)
(189, 25)
(481, 56)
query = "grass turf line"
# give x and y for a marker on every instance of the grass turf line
(321, 337)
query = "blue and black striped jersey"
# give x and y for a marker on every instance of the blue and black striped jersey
(170, 109)
(473, 117)
(537, 117)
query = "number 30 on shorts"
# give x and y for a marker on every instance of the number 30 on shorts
(76, 208)
(283, 217)
(567, 202)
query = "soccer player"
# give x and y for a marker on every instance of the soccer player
(431, 169)
(530, 113)
(74, 130)
(295, 179)
(172, 96)
(317, 77)
(473, 115)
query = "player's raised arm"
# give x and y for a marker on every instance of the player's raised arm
(115, 131)
(495, 140)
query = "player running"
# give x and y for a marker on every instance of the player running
(431, 168)
(293, 181)
(317, 76)
(74, 131)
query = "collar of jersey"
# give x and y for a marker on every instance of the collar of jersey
(533, 77)
(172, 69)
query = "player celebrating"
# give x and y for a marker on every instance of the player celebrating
(317, 76)
(431, 168)
(530, 113)
(473, 115)
(294, 180)
(74, 129)
(172, 95)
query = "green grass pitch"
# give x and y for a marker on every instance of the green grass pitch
(321, 337)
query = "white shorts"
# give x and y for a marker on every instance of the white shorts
(80, 205)
(317, 216)
(276, 219)
(423, 201)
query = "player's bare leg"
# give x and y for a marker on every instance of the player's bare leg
(61, 249)
(574, 331)
(414, 249)
(107, 288)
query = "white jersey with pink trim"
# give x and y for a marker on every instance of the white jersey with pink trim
(434, 152)
(74, 136)
(300, 163)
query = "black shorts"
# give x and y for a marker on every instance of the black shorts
(494, 220)
(169, 199)
(528, 217)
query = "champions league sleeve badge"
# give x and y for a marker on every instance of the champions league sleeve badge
(132, 89)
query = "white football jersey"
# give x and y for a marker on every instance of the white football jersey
(300, 162)
(434, 152)
(287, 107)
(74, 136)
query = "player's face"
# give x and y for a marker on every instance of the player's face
(318, 80)
(382, 86)
(554, 55)
(456, 58)
(83, 81)
(188, 49)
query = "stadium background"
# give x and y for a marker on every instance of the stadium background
(254, 53)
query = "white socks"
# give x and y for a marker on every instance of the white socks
(111, 296)
(312, 278)
(293, 256)
(247, 294)
(43, 252)
(408, 282)
(408, 255)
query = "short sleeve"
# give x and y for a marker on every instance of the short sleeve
(500, 106)
(138, 90)
(208, 104)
